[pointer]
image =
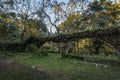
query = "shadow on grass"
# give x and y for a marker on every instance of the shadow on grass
(10, 70)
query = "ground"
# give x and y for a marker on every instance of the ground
(68, 69)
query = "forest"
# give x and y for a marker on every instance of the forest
(59, 39)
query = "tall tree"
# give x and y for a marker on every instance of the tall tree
(8, 29)
(27, 10)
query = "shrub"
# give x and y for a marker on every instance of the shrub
(31, 48)
(39, 54)
(44, 48)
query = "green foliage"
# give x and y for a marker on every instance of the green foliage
(95, 6)
(50, 47)
(9, 45)
(44, 50)
(8, 31)
(97, 45)
(31, 48)
(14, 24)
(39, 54)
(71, 24)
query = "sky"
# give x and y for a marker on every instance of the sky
(63, 1)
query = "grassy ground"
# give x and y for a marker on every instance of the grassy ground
(70, 69)
(10, 70)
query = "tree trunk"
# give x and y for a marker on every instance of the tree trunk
(64, 47)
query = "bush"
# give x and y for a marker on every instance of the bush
(44, 48)
(35, 52)
(44, 53)
(31, 48)
(39, 54)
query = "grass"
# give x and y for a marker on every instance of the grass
(100, 56)
(71, 69)
(10, 70)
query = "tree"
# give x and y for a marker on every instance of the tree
(37, 28)
(95, 16)
(102, 14)
(23, 13)
(71, 24)
(29, 13)
(8, 29)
